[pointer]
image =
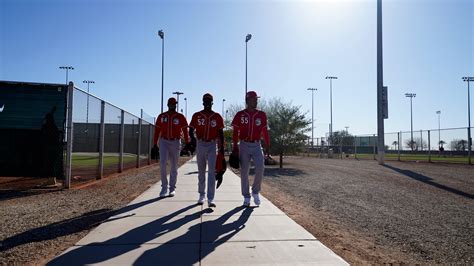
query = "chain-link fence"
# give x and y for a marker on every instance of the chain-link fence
(439, 145)
(105, 138)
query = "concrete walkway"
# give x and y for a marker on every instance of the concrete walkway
(152, 231)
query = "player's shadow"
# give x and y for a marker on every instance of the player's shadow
(128, 241)
(69, 226)
(430, 181)
(212, 234)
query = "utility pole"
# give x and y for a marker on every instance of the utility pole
(330, 102)
(411, 96)
(247, 39)
(162, 36)
(87, 109)
(469, 141)
(177, 98)
(439, 128)
(312, 115)
(380, 89)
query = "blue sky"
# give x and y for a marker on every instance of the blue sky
(428, 47)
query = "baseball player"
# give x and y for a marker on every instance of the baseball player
(208, 126)
(169, 126)
(249, 126)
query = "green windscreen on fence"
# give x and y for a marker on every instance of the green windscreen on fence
(32, 119)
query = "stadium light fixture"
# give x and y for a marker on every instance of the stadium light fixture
(67, 68)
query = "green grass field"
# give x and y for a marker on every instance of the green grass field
(92, 159)
(420, 157)
(409, 157)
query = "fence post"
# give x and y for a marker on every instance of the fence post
(469, 144)
(355, 147)
(69, 128)
(399, 140)
(429, 146)
(121, 143)
(139, 141)
(101, 139)
(374, 148)
(340, 146)
(421, 139)
(150, 140)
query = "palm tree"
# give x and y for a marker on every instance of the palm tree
(441, 143)
(395, 143)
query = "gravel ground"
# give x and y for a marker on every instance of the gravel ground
(412, 213)
(40, 225)
(415, 213)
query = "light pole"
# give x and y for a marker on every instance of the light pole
(223, 101)
(439, 128)
(186, 107)
(469, 141)
(162, 36)
(312, 114)
(330, 100)
(177, 98)
(87, 111)
(381, 90)
(67, 68)
(247, 39)
(347, 130)
(411, 96)
(225, 121)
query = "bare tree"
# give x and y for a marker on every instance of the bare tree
(416, 144)
(458, 145)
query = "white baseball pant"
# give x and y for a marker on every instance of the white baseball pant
(248, 151)
(206, 154)
(171, 149)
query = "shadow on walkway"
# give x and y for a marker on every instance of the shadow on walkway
(136, 237)
(69, 226)
(215, 229)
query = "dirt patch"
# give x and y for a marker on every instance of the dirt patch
(370, 214)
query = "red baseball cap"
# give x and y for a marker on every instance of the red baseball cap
(251, 94)
(207, 96)
(172, 101)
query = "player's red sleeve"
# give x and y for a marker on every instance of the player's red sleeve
(235, 121)
(157, 131)
(235, 136)
(220, 122)
(185, 130)
(264, 124)
(186, 135)
(193, 122)
(266, 137)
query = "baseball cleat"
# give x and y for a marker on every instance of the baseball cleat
(256, 199)
(201, 200)
(163, 193)
(211, 204)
